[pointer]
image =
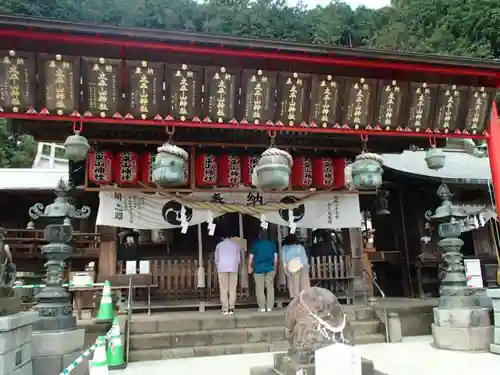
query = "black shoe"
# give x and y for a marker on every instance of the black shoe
(231, 311)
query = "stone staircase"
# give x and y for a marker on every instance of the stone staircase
(196, 334)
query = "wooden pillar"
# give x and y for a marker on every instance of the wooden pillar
(353, 243)
(107, 254)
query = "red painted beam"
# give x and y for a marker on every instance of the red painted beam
(494, 152)
(254, 127)
(200, 50)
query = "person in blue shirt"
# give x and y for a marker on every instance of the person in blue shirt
(263, 261)
(296, 265)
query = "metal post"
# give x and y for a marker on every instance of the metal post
(54, 302)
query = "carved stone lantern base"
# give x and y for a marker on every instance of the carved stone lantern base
(464, 329)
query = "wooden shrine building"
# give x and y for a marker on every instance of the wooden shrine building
(225, 100)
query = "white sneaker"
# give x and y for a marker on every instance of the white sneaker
(269, 310)
(225, 312)
(262, 310)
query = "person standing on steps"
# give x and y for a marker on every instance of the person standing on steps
(263, 263)
(227, 260)
(296, 265)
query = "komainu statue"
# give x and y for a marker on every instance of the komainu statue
(314, 319)
(9, 304)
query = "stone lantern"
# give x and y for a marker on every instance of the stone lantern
(54, 306)
(459, 322)
(273, 170)
(169, 165)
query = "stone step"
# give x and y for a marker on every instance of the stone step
(206, 351)
(359, 331)
(169, 323)
(154, 347)
(184, 339)
(374, 338)
(365, 327)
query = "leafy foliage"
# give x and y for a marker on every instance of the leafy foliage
(15, 151)
(453, 27)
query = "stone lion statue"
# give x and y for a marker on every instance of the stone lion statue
(313, 319)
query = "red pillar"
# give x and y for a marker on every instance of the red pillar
(494, 150)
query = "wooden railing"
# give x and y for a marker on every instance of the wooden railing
(177, 279)
(27, 243)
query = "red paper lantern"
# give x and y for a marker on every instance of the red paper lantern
(323, 173)
(248, 163)
(339, 165)
(302, 176)
(127, 168)
(146, 161)
(206, 170)
(229, 170)
(101, 167)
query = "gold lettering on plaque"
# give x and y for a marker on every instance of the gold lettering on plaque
(61, 89)
(185, 100)
(257, 100)
(421, 103)
(294, 98)
(15, 86)
(358, 110)
(102, 89)
(449, 106)
(390, 104)
(15, 89)
(477, 112)
(324, 107)
(145, 91)
(223, 83)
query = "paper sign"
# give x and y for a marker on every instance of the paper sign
(144, 267)
(473, 273)
(345, 359)
(130, 267)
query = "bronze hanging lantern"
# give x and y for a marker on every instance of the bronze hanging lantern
(367, 171)
(435, 157)
(76, 146)
(381, 203)
(273, 168)
(169, 164)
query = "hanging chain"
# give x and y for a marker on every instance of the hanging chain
(432, 141)
(78, 126)
(170, 130)
(272, 138)
(364, 143)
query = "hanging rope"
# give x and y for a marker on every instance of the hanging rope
(228, 208)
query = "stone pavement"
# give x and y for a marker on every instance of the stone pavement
(415, 356)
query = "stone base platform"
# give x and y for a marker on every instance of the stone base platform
(54, 351)
(15, 343)
(283, 365)
(464, 329)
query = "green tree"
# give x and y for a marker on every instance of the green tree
(16, 151)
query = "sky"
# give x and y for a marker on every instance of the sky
(353, 3)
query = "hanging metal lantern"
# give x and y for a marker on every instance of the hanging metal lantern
(435, 158)
(76, 147)
(169, 165)
(367, 171)
(381, 203)
(273, 170)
